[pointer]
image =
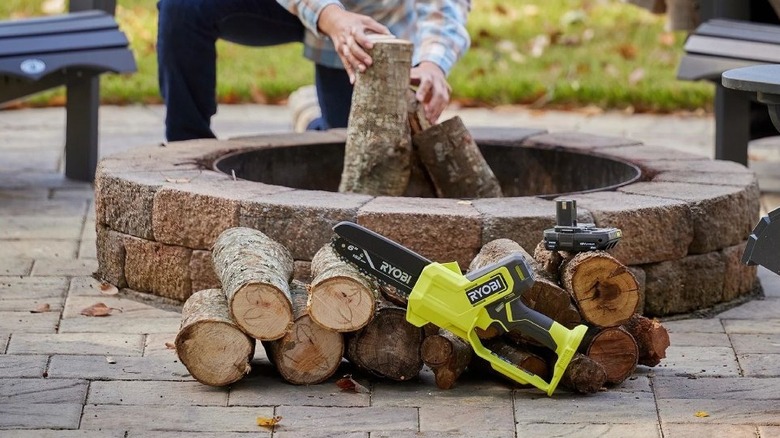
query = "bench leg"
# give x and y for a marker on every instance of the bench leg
(81, 132)
(732, 124)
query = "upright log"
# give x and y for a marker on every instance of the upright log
(340, 297)
(616, 350)
(447, 356)
(378, 148)
(212, 348)
(455, 163)
(651, 338)
(255, 271)
(604, 290)
(388, 346)
(308, 353)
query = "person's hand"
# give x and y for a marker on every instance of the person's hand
(349, 31)
(432, 89)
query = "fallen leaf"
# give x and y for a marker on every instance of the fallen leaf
(170, 345)
(269, 422)
(701, 414)
(178, 180)
(347, 383)
(628, 51)
(667, 38)
(41, 308)
(108, 288)
(464, 202)
(97, 309)
(110, 359)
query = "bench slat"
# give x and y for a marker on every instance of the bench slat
(36, 46)
(765, 34)
(88, 22)
(118, 60)
(696, 67)
(750, 50)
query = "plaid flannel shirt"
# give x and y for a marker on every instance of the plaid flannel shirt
(437, 28)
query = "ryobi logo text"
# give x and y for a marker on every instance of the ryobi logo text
(479, 292)
(394, 272)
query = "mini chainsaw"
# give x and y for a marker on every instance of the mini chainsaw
(439, 293)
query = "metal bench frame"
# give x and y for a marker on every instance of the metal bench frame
(80, 75)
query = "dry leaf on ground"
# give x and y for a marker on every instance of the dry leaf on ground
(41, 308)
(347, 383)
(269, 422)
(108, 288)
(97, 309)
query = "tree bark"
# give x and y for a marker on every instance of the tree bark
(651, 338)
(340, 297)
(604, 290)
(378, 148)
(584, 375)
(447, 356)
(550, 261)
(308, 353)
(255, 272)
(420, 184)
(388, 346)
(616, 350)
(210, 345)
(455, 163)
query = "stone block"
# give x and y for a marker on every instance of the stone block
(722, 215)
(577, 140)
(24, 321)
(443, 230)
(183, 418)
(159, 268)
(32, 288)
(725, 170)
(34, 248)
(721, 411)
(756, 343)
(156, 393)
(759, 310)
(672, 430)
(301, 220)
(124, 202)
(760, 365)
(646, 429)
(337, 420)
(277, 392)
(111, 254)
(520, 219)
(737, 388)
(13, 266)
(698, 362)
(654, 229)
(678, 286)
(83, 343)
(118, 323)
(41, 227)
(641, 154)
(124, 308)
(752, 326)
(22, 366)
(633, 407)
(125, 368)
(202, 271)
(40, 416)
(64, 267)
(466, 419)
(740, 279)
(34, 391)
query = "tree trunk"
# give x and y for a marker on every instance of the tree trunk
(255, 272)
(340, 297)
(604, 290)
(616, 350)
(209, 344)
(584, 375)
(651, 338)
(378, 148)
(308, 353)
(455, 163)
(447, 356)
(388, 346)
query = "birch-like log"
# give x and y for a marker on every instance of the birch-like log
(455, 163)
(255, 271)
(378, 149)
(340, 297)
(209, 344)
(308, 353)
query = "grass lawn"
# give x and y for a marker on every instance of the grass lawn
(545, 53)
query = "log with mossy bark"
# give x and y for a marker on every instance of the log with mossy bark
(211, 346)
(255, 272)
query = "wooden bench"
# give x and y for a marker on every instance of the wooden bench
(73, 50)
(719, 45)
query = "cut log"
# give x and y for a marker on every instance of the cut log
(211, 346)
(255, 272)
(550, 262)
(447, 356)
(584, 375)
(518, 355)
(340, 297)
(651, 338)
(604, 290)
(388, 346)
(616, 350)
(420, 184)
(455, 163)
(378, 149)
(308, 353)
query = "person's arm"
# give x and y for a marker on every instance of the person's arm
(309, 11)
(443, 39)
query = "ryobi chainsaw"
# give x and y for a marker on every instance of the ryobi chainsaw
(439, 293)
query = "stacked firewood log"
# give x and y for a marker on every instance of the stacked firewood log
(307, 329)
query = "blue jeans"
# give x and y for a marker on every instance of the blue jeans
(186, 54)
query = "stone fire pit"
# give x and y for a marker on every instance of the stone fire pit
(685, 218)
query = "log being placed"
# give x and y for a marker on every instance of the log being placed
(651, 338)
(209, 344)
(455, 163)
(308, 353)
(604, 290)
(340, 297)
(255, 272)
(447, 356)
(420, 184)
(378, 149)
(615, 350)
(388, 346)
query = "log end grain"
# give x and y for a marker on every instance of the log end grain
(262, 311)
(308, 354)
(215, 354)
(341, 304)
